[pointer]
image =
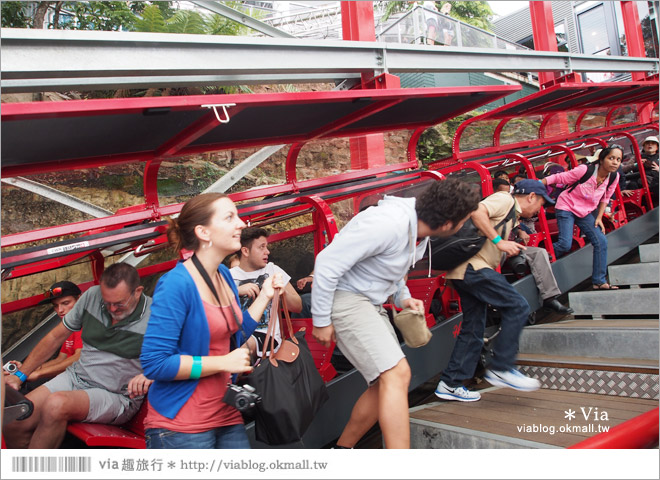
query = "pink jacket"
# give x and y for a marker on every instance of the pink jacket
(586, 196)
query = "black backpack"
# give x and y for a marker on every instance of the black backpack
(448, 253)
(587, 175)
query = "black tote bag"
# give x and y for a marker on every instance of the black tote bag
(292, 390)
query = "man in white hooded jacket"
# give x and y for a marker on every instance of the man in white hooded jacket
(365, 264)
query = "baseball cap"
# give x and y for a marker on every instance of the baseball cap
(60, 289)
(527, 186)
(651, 139)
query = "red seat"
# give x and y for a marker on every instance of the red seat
(322, 355)
(128, 435)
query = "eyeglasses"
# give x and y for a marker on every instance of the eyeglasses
(53, 292)
(118, 305)
(615, 145)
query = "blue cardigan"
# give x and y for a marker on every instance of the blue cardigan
(178, 326)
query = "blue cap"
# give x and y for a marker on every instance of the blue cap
(527, 186)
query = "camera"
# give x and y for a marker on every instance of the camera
(243, 398)
(10, 367)
(518, 264)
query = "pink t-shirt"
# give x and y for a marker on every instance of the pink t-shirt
(586, 196)
(205, 409)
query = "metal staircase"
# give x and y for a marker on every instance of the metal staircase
(613, 353)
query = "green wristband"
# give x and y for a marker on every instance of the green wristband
(496, 240)
(196, 370)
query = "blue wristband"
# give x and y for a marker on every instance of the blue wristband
(196, 370)
(496, 240)
(20, 375)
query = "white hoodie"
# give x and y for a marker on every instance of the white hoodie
(369, 256)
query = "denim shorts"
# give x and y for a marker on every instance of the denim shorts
(229, 437)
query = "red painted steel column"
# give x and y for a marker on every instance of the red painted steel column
(634, 37)
(543, 29)
(357, 21)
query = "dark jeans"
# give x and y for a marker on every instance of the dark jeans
(232, 436)
(565, 221)
(477, 290)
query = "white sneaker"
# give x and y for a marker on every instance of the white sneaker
(461, 393)
(512, 379)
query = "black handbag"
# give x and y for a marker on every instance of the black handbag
(291, 389)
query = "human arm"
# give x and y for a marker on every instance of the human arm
(481, 219)
(54, 367)
(293, 300)
(302, 282)
(42, 352)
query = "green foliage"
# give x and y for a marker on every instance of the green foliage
(395, 7)
(187, 21)
(476, 13)
(152, 20)
(14, 15)
(105, 16)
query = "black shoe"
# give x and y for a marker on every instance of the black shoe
(554, 305)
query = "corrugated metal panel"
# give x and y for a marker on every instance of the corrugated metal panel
(518, 25)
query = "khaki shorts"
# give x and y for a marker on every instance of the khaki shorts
(365, 335)
(104, 406)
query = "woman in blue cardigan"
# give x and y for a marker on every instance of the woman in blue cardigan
(189, 349)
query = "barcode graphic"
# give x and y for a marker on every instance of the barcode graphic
(51, 464)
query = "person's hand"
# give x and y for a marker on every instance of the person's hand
(413, 304)
(271, 284)
(13, 381)
(510, 248)
(138, 386)
(238, 361)
(655, 167)
(324, 335)
(304, 281)
(249, 289)
(15, 362)
(599, 224)
(524, 236)
(627, 193)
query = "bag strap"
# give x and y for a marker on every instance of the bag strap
(209, 283)
(272, 321)
(509, 216)
(591, 168)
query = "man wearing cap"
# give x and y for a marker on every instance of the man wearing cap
(478, 285)
(63, 296)
(106, 385)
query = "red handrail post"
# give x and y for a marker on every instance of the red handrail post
(638, 432)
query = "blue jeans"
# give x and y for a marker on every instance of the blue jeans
(477, 290)
(565, 221)
(232, 436)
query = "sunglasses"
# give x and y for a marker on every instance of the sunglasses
(615, 145)
(53, 292)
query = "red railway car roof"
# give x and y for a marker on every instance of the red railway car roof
(44, 136)
(578, 96)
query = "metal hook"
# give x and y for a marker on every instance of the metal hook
(224, 107)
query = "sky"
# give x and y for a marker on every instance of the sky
(502, 8)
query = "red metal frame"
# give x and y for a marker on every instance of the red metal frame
(638, 432)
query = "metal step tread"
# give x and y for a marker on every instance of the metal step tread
(619, 323)
(622, 302)
(594, 363)
(498, 420)
(649, 252)
(634, 274)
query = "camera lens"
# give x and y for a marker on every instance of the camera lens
(241, 403)
(10, 367)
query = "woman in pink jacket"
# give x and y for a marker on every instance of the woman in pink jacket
(584, 204)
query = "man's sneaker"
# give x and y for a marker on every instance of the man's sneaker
(512, 379)
(461, 393)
